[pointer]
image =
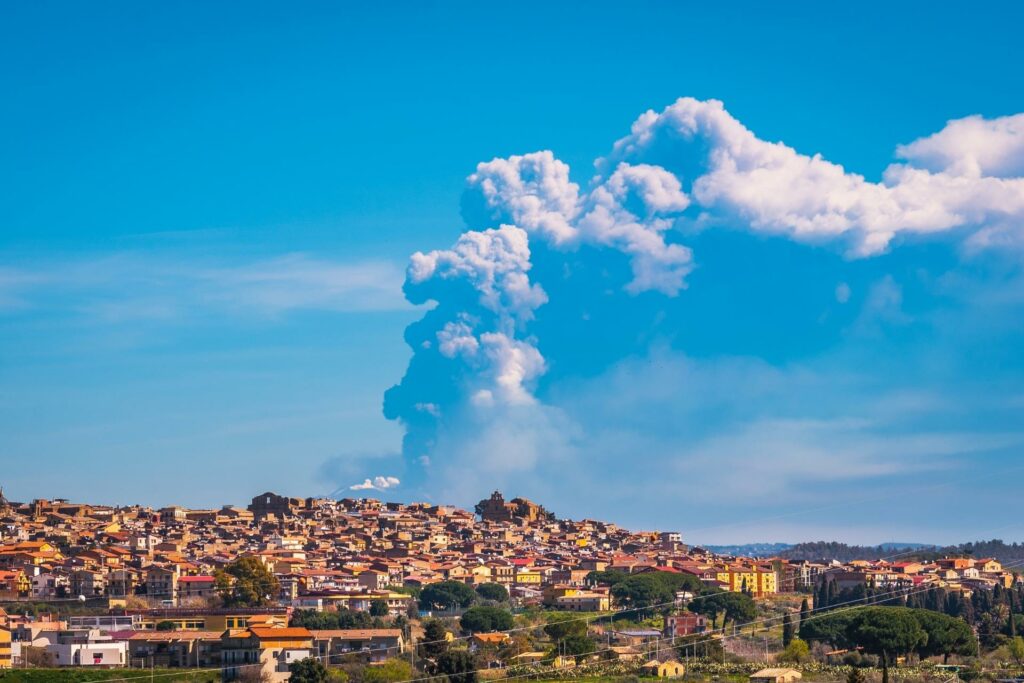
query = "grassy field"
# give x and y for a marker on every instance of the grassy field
(81, 675)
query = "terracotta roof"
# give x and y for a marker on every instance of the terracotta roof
(270, 633)
(357, 633)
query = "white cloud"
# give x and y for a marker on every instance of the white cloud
(842, 292)
(501, 324)
(376, 484)
(138, 285)
(533, 191)
(495, 262)
(965, 178)
(973, 147)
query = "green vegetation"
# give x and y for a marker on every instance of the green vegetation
(492, 591)
(446, 595)
(388, 672)
(308, 670)
(90, 675)
(246, 582)
(734, 607)
(796, 652)
(343, 618)
(458, 665)
(485, 619)
(648, 590)
(433, 642)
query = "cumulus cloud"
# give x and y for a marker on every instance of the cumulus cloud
(972, 147)
(965, 176)
(557, 280)
(376, 484)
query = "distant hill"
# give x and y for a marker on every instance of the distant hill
(749, 549)
(831, 550)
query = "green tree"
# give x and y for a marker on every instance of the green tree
(805, 611)
(390, 671)
(563, 626)
(308, 670)
(165, 625)
(797, 651)
(946, 635)
(446, 595)
(492, 591)
(435, 639)
(458, 665)
(1016, 649)
(578, 645)
(246, 582)
(788, 630)
(642, 592)
(341, 619)
(485, 618)
(379, 608)
(887, 632)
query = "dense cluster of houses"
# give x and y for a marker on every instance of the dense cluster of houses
(144, 567)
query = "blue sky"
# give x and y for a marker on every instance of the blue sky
(208, 211)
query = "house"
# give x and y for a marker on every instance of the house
(162, 582)
(374, 580)
(373, 644)
(584, 601)
(87, 647)
(88, 582)
(667, 669)
(200, 587)
(267, 651)
(685, 624)
(480, 640)
(775, 676)
(174, 649)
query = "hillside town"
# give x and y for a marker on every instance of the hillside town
(117, 587)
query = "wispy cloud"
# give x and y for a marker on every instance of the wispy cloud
(146, 286)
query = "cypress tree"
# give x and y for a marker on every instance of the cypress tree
(805, 611)
(1013, 620)
(787, 629)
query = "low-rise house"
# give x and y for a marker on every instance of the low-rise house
(87, 647)
(268, 651)
(174, 649)
(374, 645)
(685, 624)
(775, 675)
(667, 669)
(196, 587)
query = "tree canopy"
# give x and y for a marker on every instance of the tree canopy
(246, 582)
(485, 618)
(492, 591)
(458, 665)
(308, 670)
(446, 595)
(342, 619)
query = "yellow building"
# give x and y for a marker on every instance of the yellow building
(5, 647)
(754, 579)
(215, 619)
(529, 578)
